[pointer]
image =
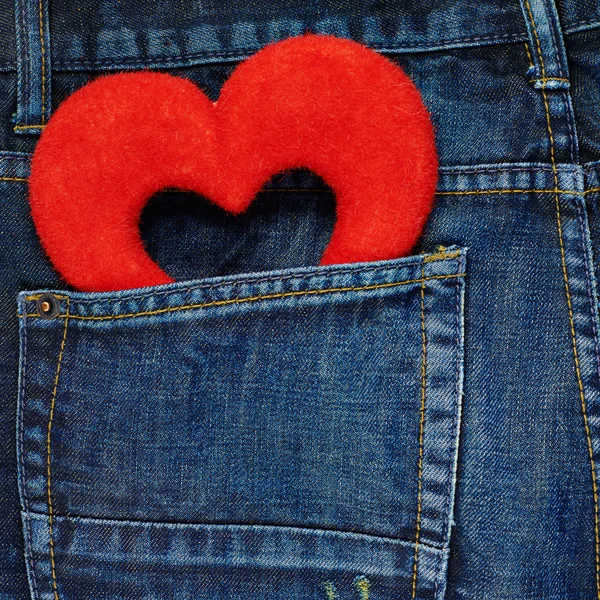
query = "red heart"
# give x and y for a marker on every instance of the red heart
(328, 104)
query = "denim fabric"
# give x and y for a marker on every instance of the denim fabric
(427, 427)
(262, 446)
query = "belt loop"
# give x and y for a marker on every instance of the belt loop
(550, 69)
(33, 66)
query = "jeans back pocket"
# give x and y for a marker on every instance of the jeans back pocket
(288, 435)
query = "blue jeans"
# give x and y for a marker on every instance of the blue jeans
(426, 427)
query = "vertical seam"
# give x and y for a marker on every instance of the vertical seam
(455, 435)
(568, 119)
(589, 281)
(537, 39)
(48, 458)
(26, 67)
(553, 33)
(26, 516)
(421, 430)
(43, 58)
(529, 58)
(551, 26)
(570, 310)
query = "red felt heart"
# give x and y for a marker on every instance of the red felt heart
(328, 104)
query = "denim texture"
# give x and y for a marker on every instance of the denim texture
(427, 427)
(273, 401)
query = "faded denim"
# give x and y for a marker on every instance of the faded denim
(427, 427)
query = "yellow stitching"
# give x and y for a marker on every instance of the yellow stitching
(12, 179)
(552, 79)
(510, 191)
(30, 126)
(362, 583)
(592, 190)
(576, 355)
(249, 299)
(48, 456)
(537, 39)
(330, 590)
(43, 56)
(529, 59)
(441, 255)
(421, 430)
(570, 308)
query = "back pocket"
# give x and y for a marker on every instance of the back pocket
(281, 436)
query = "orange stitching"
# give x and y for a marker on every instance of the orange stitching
(43, 56)
(529, 59)
(421, 430)
(570, 309)
(48, 457)
(537, 39)
(245, 300)
(552, 79)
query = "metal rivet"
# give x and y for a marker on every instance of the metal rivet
(48, 306)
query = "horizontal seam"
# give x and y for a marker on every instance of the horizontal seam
(243, 51)
(444, 170)
(452, 193)
(552, 79)
(182, 524)
(299, 276)
(41, 126)
(511, 191)
(434, 45)
(249, 299)
(7, 155)
(572, 27)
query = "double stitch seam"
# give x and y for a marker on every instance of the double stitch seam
(507, 191)
(26, 516)
(239, 53)
(26, 63)
(255, 280)
(563, 94)
(43, 60)
(250, 299)
(49, 461)
(570, 309)
(589, 285)
(455, 425)
(421, 432)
